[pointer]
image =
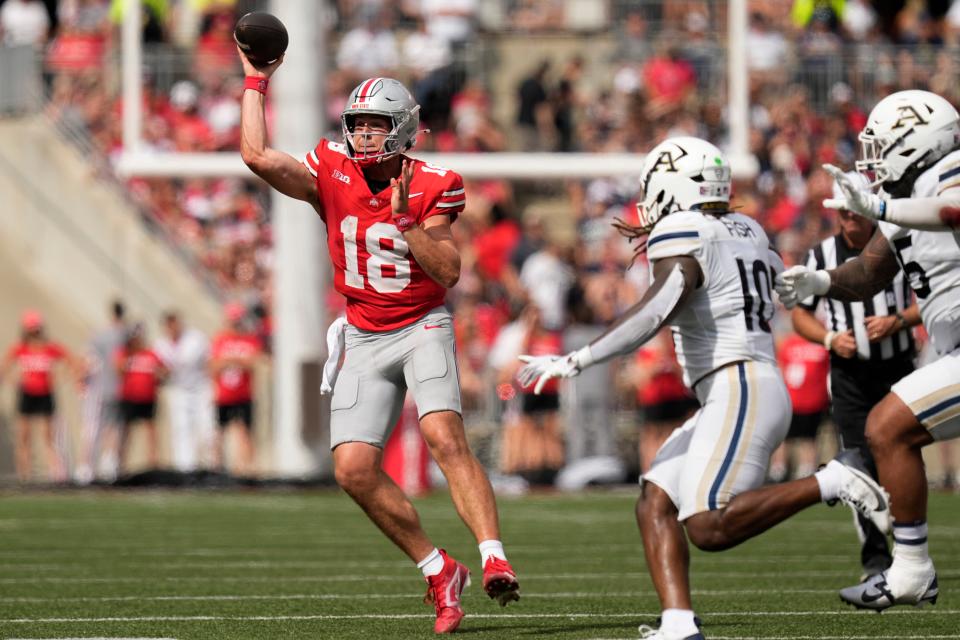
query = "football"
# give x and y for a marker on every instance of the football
(261, 37)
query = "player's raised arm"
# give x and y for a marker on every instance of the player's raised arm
(855, 279)
(939, 213)
(281, 171)
(674, 279)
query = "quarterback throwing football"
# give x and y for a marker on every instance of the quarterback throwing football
(388, 221)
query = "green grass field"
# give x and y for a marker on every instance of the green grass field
(309, 565)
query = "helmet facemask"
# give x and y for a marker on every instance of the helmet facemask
(391, 145)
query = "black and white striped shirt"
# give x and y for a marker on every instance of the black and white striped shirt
(841, 316)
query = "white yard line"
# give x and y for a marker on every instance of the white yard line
(486, 616)
(401, 596)
(411, 576)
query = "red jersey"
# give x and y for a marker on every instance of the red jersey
(805, 367)
(140, 375)
(234, 384)
(666, 383)
(36, 366)
(373, 268)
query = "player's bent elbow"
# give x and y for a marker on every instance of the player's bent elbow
(450, 280)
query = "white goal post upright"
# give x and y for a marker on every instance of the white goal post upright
(299, 305)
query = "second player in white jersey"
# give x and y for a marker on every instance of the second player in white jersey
(728, 318)
(911, 147)
(931, 259)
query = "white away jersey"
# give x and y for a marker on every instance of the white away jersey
(728, 318)
(931, 259)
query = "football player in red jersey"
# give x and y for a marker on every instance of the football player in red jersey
(388, 220)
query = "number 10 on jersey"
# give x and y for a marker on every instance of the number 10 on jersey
(757, 295)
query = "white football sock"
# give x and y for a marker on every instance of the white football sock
(490, 548)
(911, 544)
(678, 622)
(432, 564)
(829, 479)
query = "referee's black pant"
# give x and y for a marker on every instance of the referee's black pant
(857, 386)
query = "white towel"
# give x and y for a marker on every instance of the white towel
(335, 345)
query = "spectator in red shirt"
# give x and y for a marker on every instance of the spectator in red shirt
(532, 444)
(805, 367)
(664, 401)
(233, 354)
(35, 357)
(141, 371)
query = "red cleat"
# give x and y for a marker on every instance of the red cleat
(500, 581)
(443, 592)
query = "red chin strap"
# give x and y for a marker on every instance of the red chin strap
(367, 162)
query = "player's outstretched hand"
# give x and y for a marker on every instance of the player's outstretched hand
(543, 368)
(866, 203)
(258, 72)
(401, 188)
(799, 283)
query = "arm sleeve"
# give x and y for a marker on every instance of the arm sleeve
(940, 213)
(639, 325)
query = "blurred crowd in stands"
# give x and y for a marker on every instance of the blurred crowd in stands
(543, 268)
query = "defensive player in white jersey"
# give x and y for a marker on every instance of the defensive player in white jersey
(712, 271)
(911, 148)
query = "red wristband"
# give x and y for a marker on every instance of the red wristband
(403, 222)
(257, 84)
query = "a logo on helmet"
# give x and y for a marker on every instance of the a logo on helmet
(907, 114)
(668, 160)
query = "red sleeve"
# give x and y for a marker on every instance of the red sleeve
(313, 161)
(449, 198)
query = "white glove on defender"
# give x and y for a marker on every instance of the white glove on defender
(545, 368)
(866, 203)
(336, 340)
(799, 283)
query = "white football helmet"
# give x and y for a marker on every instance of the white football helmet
(383, 97)
(907, 130)
(681, 174)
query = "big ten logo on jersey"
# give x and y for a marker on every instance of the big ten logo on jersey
(339, 175)
(384, 252)
(737, 228)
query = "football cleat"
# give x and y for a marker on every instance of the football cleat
(875, 594)
(443, 592)
(500, 581)
(861, 492)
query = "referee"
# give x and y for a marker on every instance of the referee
(871, 348)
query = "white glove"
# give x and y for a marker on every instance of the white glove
(336, 340)
(543, 368)
(799, 283)
(866, 203)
